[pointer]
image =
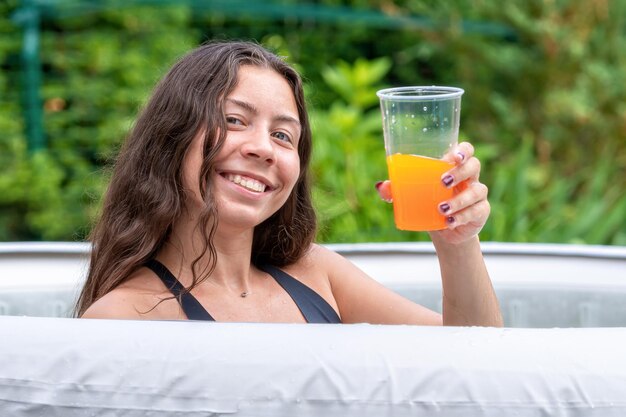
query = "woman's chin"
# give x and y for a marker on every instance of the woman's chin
(239, 220)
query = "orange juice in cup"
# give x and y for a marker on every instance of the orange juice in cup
(420, 126)
(415, 199)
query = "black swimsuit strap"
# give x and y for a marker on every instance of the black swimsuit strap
(192, 308)
(313, 307)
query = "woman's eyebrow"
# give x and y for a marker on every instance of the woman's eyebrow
(252, 109)
(247, 106)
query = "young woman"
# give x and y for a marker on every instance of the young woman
(208, 215)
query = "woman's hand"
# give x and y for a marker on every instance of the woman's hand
(467, 211)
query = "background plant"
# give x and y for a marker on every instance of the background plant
(544, 105)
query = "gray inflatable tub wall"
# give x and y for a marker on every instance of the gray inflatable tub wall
(561, 354)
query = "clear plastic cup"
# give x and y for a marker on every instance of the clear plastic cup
(420, 126)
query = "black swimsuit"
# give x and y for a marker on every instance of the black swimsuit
(312, 306)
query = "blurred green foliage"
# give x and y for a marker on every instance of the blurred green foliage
(545, 107)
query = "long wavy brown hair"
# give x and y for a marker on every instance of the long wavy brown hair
(145, 196)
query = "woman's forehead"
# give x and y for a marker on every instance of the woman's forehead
(261, 89)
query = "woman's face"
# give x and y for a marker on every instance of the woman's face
(258, 164)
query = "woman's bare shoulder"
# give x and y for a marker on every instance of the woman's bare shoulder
(317, 261)
(318, 254)
(140, 297)
(360, 298)
(116, 304)
(324, 259)
(317, 267)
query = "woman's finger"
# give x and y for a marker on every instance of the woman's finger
(469, 169)
(473, 194)
(472, 218)
(464, 151)
(459, 154)
(384, 190)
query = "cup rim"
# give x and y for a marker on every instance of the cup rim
(429, 92)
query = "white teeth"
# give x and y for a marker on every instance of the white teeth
(248, 183)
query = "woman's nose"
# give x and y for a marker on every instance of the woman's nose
(259, 146)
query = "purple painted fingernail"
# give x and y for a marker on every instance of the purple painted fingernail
(378, 184)
(450, 220)
(444, 207)
(447, 180)
(462, 155)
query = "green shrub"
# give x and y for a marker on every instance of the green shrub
(544, 105)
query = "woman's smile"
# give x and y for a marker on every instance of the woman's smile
(248, 182)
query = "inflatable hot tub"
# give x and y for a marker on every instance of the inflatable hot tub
(560, 354)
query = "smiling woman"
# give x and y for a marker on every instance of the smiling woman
(259, 158)
(227, 121)
(209, 217)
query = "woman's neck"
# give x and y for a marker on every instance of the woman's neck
(232, 262)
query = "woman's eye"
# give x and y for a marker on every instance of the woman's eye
(282, 136)
(233, 121)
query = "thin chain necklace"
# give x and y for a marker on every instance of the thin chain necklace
(243, 294)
